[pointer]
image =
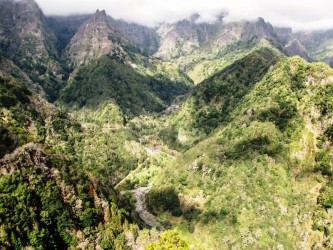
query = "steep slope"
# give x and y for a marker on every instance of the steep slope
(110, 80)
(50, 196)
(210, 104)
(182, 37)
(47, 201)
(259, 180)
(25, 34)
(318, 44)
(143, 38)
(93, 39)
(8, 68)
(65, 27)
(202, 49)
(28, 41)
(244, 161)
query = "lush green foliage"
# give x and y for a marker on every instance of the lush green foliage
(47, 201)
(108, 80)
(252, 170)
(33, 217)
(250, 176)
(16, 115)
(213, 101)
(169, 240)
(164, 199)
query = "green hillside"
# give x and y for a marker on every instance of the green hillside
(261, 178)
(111, 80)
(211, 103)
(187, 135)
(56, 191)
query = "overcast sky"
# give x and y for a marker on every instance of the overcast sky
(298, 14)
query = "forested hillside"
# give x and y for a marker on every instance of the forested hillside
(189, 135)
(261, 176)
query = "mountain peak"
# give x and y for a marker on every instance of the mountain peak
(194, 17)
(261, 20)
(101, 13)
(99, 16)
(93, 39)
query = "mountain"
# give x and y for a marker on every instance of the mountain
(143, 38)
(64, 28)
(94, 38)
(109, 79)
(47, 199)
(188, 135)
(211, 102)
(27, 40)
(24, 33)
(202, 49)
(318, 43)
(261, 177)
(182, 37)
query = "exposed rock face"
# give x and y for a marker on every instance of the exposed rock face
(231, 32)
(295, 47)
(23, 31)
(94, 38)
(143, 38)
(246, 32)
(258, 30)
(318, 44)
(65, 27)
(182, 37)
(176, 39)
(284, 34)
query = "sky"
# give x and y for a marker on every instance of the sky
(297, 14)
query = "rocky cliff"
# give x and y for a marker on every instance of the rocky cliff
(94, 38)
(23, 31)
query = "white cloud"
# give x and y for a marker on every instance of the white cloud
(298, 14)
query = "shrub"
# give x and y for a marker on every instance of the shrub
(164, 199)
(326, 197)
(169, 239)
(329, 132)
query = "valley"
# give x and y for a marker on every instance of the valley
(188, 135)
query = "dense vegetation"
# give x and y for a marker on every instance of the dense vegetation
(111, 80)
(15, 98)
(213, 101)
(246, 183)
(147, 160)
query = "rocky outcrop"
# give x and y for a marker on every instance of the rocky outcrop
(23, 31)
(176, 39)
(284, 34)
(65, 27)
(295, 47)
(247, 33)
(144, 39)
(255, 31)
(94, 38)
(182, 37)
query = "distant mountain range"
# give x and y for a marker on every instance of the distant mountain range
(52, 44)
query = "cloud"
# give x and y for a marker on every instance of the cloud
(298, 14)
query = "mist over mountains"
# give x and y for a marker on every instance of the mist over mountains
(300, 15)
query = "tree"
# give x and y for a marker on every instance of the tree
(169, 240)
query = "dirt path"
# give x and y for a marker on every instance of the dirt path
(140, 208)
